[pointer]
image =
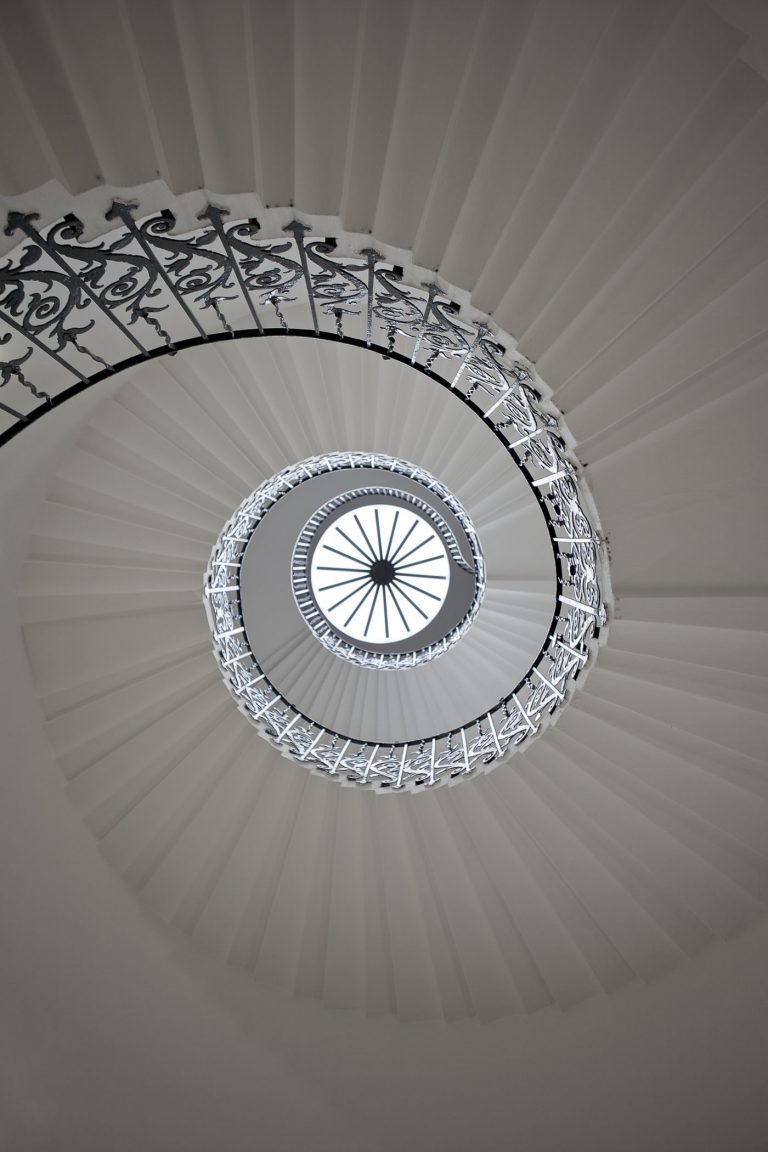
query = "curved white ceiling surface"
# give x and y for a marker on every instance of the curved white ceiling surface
(593, 177)
(580, 864)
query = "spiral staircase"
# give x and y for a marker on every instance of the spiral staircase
(206, 945)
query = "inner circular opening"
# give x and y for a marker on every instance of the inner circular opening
(380, 573)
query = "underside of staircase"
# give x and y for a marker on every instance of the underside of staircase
(206, 944)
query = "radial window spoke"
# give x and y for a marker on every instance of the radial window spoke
(371, 549)
(414, 563)
(392, 534)
(426, 540)
(380, 550)
(366, 593)
(405, 595)
(385, 593)
(346, 555)
(347, 597)
(340, 568)
(339, 583)
(421, 591)
(403, 542)
(393, 593)
(420, 576)
(368, 557)
(373, 609)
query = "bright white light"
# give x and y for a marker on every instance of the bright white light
(380, 573)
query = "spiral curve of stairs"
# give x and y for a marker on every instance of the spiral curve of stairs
(593, 177)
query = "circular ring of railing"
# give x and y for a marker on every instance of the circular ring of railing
(440, 756)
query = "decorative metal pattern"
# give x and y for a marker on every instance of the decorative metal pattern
(142, 291)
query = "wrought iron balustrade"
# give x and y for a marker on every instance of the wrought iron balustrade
(72, 313)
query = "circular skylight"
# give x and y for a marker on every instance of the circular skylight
(388, 576)
(380, 573)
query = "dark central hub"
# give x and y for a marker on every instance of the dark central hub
(382, 572)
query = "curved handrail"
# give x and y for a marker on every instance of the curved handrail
(143, 292)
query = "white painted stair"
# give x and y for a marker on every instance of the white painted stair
(595, 176)
(629, 836)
